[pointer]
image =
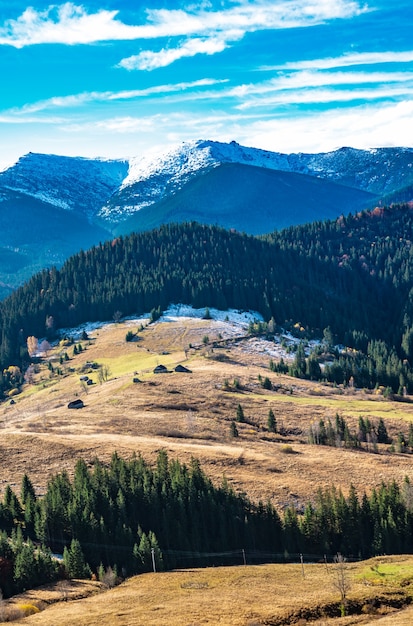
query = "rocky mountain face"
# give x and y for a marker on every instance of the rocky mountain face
(52, 206)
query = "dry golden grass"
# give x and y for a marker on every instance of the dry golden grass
(190, 415)
(233, 596)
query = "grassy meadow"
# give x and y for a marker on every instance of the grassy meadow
(275, 595)
(189, 414)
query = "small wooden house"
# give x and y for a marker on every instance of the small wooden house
(183, 369)
(76, 404)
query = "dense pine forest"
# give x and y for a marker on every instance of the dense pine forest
(127, 518)
(353, 275)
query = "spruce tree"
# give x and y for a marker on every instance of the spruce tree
(271, 422)
(240, 414)
(74, 560)
(382, 436)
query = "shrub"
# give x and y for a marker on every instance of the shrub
(287, 449)
(266, 383)
(28, 609)
(207, 314)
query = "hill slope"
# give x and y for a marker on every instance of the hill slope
(227, 182)
(250, 199)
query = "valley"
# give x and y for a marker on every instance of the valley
(189, 414)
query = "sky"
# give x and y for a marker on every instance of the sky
(119, 78)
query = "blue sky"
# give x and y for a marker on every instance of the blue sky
(116, 78)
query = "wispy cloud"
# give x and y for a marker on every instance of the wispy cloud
(370, 125)
(346, 60)
(148, 60)
(360, 127)
(307, 79)
(77, 100)
(206, 31)
(214, 31)
(329, 96)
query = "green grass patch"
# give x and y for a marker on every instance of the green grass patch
(137, 362)
(387, 574)
(352, 407)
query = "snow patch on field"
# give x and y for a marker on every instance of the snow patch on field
(231, 324)
(174, 313)
(233, 316)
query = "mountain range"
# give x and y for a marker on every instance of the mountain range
(53, 206)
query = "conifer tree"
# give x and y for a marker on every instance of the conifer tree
(271, 422)
(240, 414)
(74, 560)
(382, 436)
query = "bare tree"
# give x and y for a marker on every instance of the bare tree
(103, 373)
(117, 316)
(63, 586)
(109, 578)
(44, 347)
(341, 580)
(29, 375)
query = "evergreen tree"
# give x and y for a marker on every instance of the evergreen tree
(240, 414)
(382, 436)
(74, 561)
(271, 422)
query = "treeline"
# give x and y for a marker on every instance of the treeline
(338, 434)
(379, 366)
(354, 274)
(127, 517)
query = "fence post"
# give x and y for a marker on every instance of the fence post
(153, 560)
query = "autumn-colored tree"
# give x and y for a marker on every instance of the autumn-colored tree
(32, 345)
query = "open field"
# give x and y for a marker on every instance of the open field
(236, 596)
(189, 414)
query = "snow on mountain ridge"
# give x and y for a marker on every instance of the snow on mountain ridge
(112, 190)
(70, 183)
(152, 178)
(190, 157)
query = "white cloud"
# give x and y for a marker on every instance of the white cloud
(148, 60)
(208, 31)
(346, 60)
(304, 87)
(328, 96)
(77, 100)
(66, 24)
(307, 79)
(220, 29)
(368, 126)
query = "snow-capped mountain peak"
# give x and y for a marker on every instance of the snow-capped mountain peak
(188, 158)
(71, 183)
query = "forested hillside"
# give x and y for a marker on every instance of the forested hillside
(133, 518)
(353, 275)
